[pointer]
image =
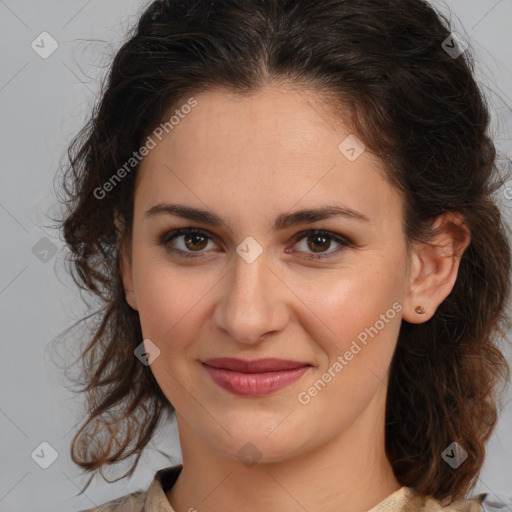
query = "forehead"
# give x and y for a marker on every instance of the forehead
(275, 147)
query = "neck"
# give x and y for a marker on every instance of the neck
(349, 472)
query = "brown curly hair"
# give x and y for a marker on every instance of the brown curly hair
(413, 105)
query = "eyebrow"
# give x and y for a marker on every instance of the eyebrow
(283, 221)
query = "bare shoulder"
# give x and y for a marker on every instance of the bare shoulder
(133, 502)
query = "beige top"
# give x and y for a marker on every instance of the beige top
(155, 500)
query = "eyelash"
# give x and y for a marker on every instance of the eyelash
(171, 235)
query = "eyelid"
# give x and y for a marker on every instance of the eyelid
(343, 241)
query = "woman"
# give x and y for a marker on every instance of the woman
(286, 210)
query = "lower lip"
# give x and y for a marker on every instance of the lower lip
(254, 384)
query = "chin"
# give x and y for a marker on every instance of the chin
(258, 446)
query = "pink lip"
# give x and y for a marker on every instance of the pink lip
(256, 377)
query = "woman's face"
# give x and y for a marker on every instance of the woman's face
(244, 287)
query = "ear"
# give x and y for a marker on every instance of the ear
(125, 261)
(434, 267)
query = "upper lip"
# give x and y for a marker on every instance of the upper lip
(254, 365)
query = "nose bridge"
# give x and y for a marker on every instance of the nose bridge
(248, 278)
(250, 306)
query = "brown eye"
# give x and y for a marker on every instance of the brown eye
(319, 243)
(188, 242)
(195, 241)
(315, 244)
(192, 242)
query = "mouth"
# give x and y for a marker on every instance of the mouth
(254, 377)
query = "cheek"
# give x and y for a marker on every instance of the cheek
(171, 312)
(168, 300)
(356, 341)
(359, 314)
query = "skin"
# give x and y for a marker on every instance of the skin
(249, 159)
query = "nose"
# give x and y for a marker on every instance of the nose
(253, 301)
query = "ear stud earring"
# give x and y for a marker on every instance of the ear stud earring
(420, 310)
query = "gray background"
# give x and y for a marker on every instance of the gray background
(43, 103)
